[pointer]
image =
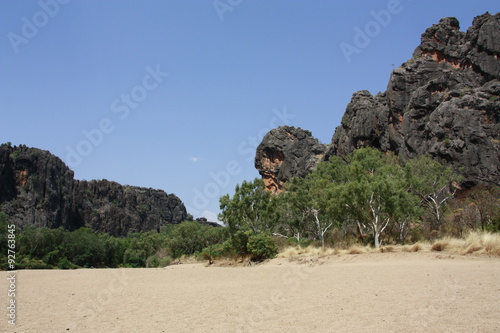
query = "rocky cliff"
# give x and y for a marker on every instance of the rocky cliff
(445, 101)
(37, 188)
(286, 152)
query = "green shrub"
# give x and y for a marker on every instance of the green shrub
(305, 242)
(133, 258)
(52, 258)
(218, 251)
(238, 244)
(262, 247)
(165, 261)
(153, 261)
(33, 264)
(66, 264)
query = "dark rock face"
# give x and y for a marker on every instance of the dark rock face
(37, 188)
(444, 102)
(286, 152)
(106, 206)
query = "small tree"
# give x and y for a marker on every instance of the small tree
(434, 183)
(374, 191)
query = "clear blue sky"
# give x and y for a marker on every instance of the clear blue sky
(176, 95)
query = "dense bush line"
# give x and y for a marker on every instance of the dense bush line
(44, 248)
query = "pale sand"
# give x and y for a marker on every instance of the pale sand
(386, 292)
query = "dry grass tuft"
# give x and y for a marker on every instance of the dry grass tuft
(406, 249)
(387, 249)
(289, 252)
(416, 247)
(472, 248)
(439, 246)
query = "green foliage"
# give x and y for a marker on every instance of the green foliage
(237, 245)
(434, 183)
(262, 246)
(15, 154)
(185, 238)
(250, 208)
(60, 248)
(218, 250)
(366, 188)
(65, 264)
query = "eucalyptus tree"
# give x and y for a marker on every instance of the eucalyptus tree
(434, 183)
(250, 208)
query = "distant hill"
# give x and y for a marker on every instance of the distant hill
(445, 102)
(37, 188)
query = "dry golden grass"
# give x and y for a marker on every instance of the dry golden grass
(297, 251)
(480, 243)
(476, 242)
(415, 247)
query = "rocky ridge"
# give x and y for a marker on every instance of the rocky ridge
(38, 189)
(445, 102)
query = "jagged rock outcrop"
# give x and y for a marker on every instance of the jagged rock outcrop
(37, 188)
(445, 102)
(205, 221)
(286, 152)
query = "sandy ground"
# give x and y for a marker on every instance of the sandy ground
(380, 292)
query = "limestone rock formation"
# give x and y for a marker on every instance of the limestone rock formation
(37, 188)
(286, 152)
